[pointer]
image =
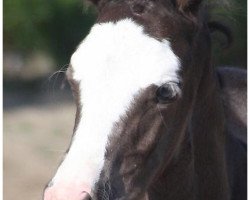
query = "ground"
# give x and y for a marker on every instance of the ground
(35, 139)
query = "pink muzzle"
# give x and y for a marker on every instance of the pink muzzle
(67, 192)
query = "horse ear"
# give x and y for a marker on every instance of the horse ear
(189, 6)
(95, 2)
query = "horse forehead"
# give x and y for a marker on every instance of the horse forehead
(116, 52)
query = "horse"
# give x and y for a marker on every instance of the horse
(155, 119)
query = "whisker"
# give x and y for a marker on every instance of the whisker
(107, 184)
(62, 70)
(103, 192)
(51, 90)
(162, 118)
(109, 188)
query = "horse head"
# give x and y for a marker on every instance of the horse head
(135, 79)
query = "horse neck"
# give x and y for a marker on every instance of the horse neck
(208, 139)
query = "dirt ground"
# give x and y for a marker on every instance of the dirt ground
(35, 138)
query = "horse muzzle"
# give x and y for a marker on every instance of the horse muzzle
(66, 192)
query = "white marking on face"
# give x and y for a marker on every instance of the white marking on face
(112, 64)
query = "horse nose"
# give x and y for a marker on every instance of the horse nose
(86, 196)
(62, 192)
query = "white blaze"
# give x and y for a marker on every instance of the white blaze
(112, 64)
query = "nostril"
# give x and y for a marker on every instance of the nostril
(86, 196)
(67, 191)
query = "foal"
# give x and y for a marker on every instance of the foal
(154, 119)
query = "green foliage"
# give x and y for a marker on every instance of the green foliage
(54, 26)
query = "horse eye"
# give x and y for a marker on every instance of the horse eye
(167, 93)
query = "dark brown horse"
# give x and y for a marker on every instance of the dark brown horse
(155, 120)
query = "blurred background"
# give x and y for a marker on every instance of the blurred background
(39, 36)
